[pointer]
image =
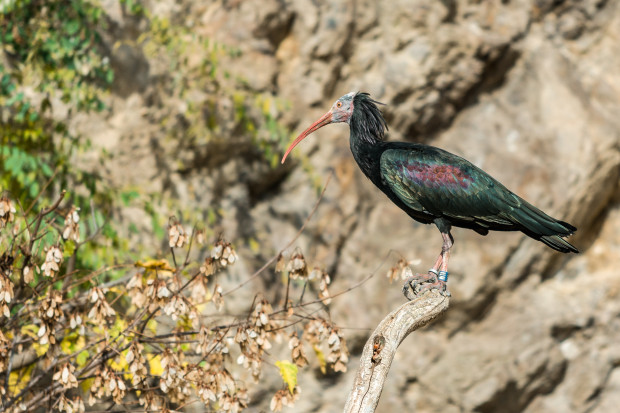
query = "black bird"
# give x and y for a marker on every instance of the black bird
(435, 186)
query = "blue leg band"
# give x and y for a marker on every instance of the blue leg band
(443, 276)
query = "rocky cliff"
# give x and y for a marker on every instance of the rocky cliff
(529, 90)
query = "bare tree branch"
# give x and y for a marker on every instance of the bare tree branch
(381, 347)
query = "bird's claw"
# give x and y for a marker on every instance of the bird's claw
(439, 285)
(418, 284)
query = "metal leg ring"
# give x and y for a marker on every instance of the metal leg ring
(443, 276)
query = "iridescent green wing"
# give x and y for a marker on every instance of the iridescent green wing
(442, 184)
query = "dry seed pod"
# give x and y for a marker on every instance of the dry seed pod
(297, 266)
(298, 354)
(72, 228)
(65, 376)
(177, 236)
(7, 211)
(53, 259)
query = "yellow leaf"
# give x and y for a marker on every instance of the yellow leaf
(184, 323)
(40, 349)
(254, 245)
(19, 379)
(288, 371)
(116, 290)
(30, 330)
(99, 330)
(118, 327)
(155, 364)
(266, 106)
(72, 342)
(66, 344)
(121, 364)
(154, 265)
(85, 385)
(151, 325)
(321, 357)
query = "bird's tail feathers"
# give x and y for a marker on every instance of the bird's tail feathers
(568, 226)
(558, 243)
(545, 228)
(537, 221)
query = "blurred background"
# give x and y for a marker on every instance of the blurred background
(151, 108)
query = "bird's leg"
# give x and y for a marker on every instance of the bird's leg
(435, 268)
(437, 276)
(440, 282)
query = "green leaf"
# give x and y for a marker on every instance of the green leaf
(45, 168)
(288, 371)
(33, 189)
(72, 27)
(129, 196)
(133, 228)
(82, 358)
(15, 98)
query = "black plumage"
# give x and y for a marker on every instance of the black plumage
(435, 186)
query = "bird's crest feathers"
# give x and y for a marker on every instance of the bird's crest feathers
(367, 120)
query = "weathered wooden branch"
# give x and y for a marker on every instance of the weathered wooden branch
(381, 347)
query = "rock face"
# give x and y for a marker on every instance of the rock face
(529, 90)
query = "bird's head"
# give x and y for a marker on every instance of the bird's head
(341, 111)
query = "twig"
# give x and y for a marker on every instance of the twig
(34, 201)
(288, 287)
(189, 249)
(275, 257)
(381, 347)
(9, 368)
(33, 238)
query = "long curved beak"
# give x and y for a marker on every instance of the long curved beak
(324, 120)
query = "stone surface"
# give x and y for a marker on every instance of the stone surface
(527, 90)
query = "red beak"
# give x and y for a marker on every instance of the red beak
(324, 120)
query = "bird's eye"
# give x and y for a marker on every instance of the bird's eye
(339, 104)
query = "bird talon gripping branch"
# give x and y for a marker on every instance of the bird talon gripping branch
(437, 285)
(434, 186)
(417, 284)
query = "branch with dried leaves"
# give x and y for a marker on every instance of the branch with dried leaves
(381, 347)
(157, 335)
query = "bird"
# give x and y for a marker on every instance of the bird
(434, 186)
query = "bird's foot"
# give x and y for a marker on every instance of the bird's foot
(418, 284)
(439, 285)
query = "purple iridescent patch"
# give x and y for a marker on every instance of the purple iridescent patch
(436, 175)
